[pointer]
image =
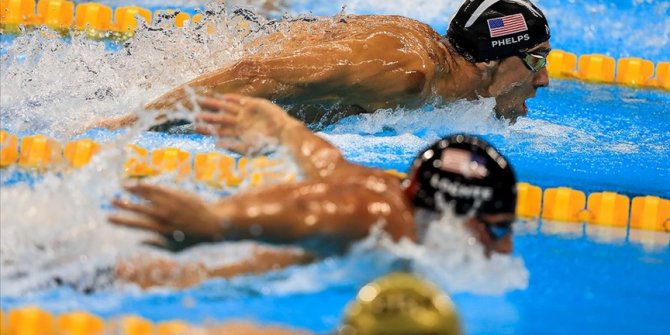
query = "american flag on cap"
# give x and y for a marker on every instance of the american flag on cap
(506, 25)
(463, 162)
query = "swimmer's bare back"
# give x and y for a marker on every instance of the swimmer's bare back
(366, 62)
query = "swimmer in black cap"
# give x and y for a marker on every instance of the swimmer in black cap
(337, 202)
(362, 63)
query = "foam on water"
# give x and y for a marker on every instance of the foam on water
(52, 86)
(449, 256)
(403, 132)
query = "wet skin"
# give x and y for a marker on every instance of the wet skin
(360, 64)
(336, 203)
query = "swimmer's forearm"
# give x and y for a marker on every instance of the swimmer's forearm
(262, 260)
(289, 213)
(316, 157)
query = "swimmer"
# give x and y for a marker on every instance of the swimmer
(337, 202)
(361, 63)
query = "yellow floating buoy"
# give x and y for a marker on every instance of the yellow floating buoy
(634, 71)
(172, 328)
(30, 321)
(597, 68)
(132, 325)
(561, 63)
(172, 159)
(529, 200)
(663, 75)
(125, 18)
(38, 152)
(79, 153)
(563, 204)
(608, 208)
(205, 166)
(94, 18)
(650, 213)
(137, 164)
(14, 13)
(55, 14)
(80, 323)
(9, 148)
(3, 326)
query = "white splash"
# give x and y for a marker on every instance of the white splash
(52, 86)
(449, 256)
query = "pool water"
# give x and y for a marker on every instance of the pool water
(563, 279)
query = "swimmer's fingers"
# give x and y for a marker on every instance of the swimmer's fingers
(229, 105)
(233, 145)
(139, 222)
(159, 195)
(213, 130)
(220, 125)
(209, 103)
(150, 211)
(217, 119)
(234, 98)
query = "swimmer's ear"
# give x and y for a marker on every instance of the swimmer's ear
(487, 69)
(489, 66)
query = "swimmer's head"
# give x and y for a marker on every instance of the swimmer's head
(509, 41)
(485, 30)
(400, 304)
(469, 176)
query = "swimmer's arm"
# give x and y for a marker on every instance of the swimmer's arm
(351, 70)
(338, 213)
(336, 210)
(148, 271)
(307, 75)
(262, 260)
(243, 122)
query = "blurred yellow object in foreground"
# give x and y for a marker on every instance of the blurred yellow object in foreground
(400, 303)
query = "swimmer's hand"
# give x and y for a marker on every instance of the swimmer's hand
(173, 213)
(243, 124)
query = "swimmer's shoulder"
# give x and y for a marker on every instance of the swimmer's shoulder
(408, 24)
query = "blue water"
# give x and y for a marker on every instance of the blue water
(577, 286)
(589, 137)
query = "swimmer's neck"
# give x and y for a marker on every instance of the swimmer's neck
(458, 78)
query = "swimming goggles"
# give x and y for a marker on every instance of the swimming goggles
(534, 60)
(497, 230)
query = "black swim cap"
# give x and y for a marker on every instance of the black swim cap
(484, 30)
(466, 172)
